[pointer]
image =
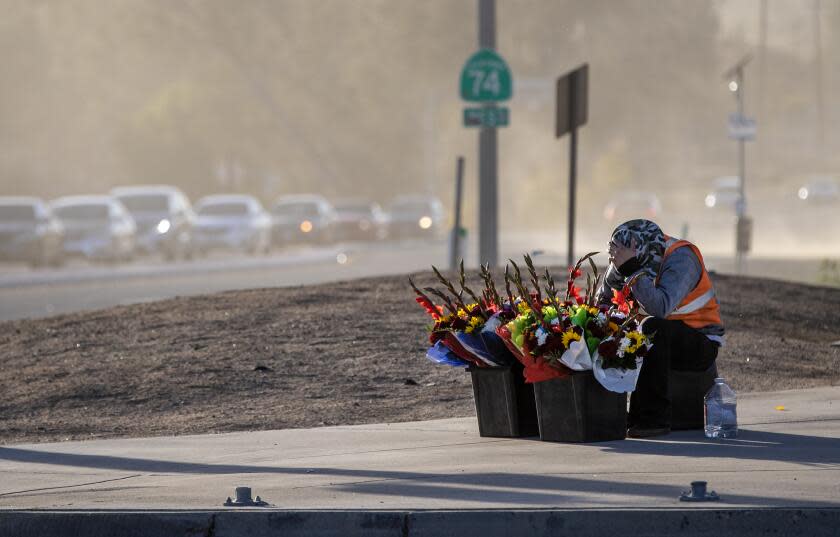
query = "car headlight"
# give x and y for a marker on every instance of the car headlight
(306, 226)
(163, 226)
(711, 200)
(425, 222)
(803, 193)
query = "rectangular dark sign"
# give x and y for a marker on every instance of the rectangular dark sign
(572, 100)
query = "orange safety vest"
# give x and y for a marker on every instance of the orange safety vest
(700, 307)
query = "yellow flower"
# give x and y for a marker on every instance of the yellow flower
(569, 336)
(473, 324)
(638, 340)
(462, 314)
(523, 308)
(613, 328)
(593, 310)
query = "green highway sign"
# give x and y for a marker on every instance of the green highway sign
(486, 77)
(486, 117)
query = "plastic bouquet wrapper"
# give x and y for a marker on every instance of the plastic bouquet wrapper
(441, 354)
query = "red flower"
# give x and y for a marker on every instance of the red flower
(430, 308)
(608, 348)
(574, 292)
(620, 300)
(575, 273)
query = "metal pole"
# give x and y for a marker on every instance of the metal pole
(572, 188)
(818, 80)
(760, 146)
(455, 242)
(487, 157)
(741, 207)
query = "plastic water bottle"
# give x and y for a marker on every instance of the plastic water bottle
(721, 417)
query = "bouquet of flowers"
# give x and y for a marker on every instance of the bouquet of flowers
(464, 333)
(549, 333)
(553, 336)
(618, 357)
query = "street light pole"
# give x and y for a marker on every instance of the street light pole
(743, 223)
(742, 172)
(741, 207)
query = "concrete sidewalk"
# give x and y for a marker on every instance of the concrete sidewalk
(782, 459)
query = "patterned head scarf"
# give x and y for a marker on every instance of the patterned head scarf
(650, 242)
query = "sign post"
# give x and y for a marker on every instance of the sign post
(571, 113)
(486, 79)
(741, 128)
(458, 235)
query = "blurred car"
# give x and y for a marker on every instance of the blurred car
(231, 222)
(163, 216)
(415, 216)
(358, 219)
(96, 228)
(630, 205)
(302, 218)
(29, 232)
(820, 189)
(726, 191)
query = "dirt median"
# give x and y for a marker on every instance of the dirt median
(334, 354)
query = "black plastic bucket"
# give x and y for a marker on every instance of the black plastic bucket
(578, 409)
(504, 404)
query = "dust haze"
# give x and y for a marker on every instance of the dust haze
(343, 98)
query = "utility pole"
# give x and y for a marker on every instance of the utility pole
(488, 203)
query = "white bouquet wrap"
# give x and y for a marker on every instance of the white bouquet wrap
(577, 357)
(615, 379)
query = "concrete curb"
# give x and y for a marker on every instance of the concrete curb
(818, 522)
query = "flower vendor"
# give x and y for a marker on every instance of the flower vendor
(667, 278)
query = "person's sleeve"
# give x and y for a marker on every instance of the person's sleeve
(679, 275)
(612, 280)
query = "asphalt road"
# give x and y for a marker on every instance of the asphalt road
(28, 293)
(31, 294)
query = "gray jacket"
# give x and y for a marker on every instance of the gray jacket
(678, 276)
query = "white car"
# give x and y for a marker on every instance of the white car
(231, 222)
(726, 191)
(630, 205)
(820, 189)
(302, 218)
(359, 219)
(29, 232)
(163, 216)
(415, 216)
(95, 227)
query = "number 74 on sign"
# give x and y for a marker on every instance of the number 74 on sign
(486, 78)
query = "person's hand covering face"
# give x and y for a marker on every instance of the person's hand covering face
(620, 254)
